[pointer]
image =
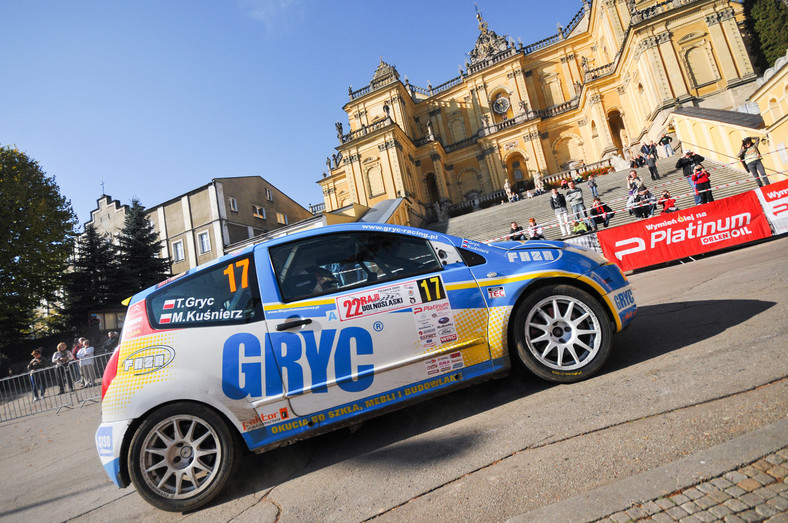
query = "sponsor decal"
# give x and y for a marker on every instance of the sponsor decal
(386, 299)
(269, 418)
(532, 256)
(435, 323)
(252, 423)
(374, 402)
(496, 292)
(309, 360)
(444, 363)
(624, 300)
(716, 225)
(104, 441)
(148, 360)
(774, 200)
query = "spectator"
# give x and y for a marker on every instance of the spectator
(61, 358)
(634, 183)
(74, 369)
(579, 227)
(751, 157)
(86, 367)
(687, 164)
(665, 143)
(668, 203)
(601, 213)
(592, 185)
(558, 204)
(516, 232)
(110, 343)
(535, 231)
(644, 204)
(529, 194)
(36, 378)
(651, 162)
(574, 198)
(702, 184)
(653, 149)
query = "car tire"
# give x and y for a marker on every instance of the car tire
(181, 456)
(561, 333)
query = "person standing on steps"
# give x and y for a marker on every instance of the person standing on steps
(687, 164)
(558, 204)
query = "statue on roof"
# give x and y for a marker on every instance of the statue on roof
(488, 43)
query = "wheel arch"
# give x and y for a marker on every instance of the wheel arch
(135, 424)
(546, 282)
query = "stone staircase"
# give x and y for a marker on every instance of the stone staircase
(493, 222)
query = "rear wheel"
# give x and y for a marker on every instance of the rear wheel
(561, 333)
(182, 456)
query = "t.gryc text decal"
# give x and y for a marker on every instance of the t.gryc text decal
(303, 357)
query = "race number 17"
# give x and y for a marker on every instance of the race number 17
(230, 272)
(431, 289)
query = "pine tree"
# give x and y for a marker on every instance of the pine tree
(767, 20)
(93, 282)
(35, 240)
(140, 262)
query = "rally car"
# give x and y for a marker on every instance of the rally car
(315, 331)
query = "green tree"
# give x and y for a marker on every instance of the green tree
(93, 281)
(140, 262)
(766, 21)
(35, 240)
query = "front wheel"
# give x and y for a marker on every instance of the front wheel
(181, 457)
(561, 333)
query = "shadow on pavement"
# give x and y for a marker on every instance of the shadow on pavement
(657, 330)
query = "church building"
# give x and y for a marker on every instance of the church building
(519, 113)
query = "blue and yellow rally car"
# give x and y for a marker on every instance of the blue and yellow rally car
(311, 332)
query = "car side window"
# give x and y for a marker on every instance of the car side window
(225, 294)
(337, 262)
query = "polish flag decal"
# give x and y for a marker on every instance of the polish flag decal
(165, 318)
(169, 304)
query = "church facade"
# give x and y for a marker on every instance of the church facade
(519, 113)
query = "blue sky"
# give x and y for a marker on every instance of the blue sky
(157, 97)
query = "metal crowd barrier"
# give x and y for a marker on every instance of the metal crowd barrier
(52, 388)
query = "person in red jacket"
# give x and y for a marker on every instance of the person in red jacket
(668, 203)
(702, 184)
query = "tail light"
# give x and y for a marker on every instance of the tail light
(110, 371)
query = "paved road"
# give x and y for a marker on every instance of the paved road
(704, 365)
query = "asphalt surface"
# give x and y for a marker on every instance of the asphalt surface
(696, 391)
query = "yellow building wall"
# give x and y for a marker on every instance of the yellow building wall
(538, 108)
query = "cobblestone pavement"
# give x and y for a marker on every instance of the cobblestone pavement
(754, 492)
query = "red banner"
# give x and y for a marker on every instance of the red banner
(703, 228)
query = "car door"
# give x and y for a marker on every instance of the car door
(363, 313)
